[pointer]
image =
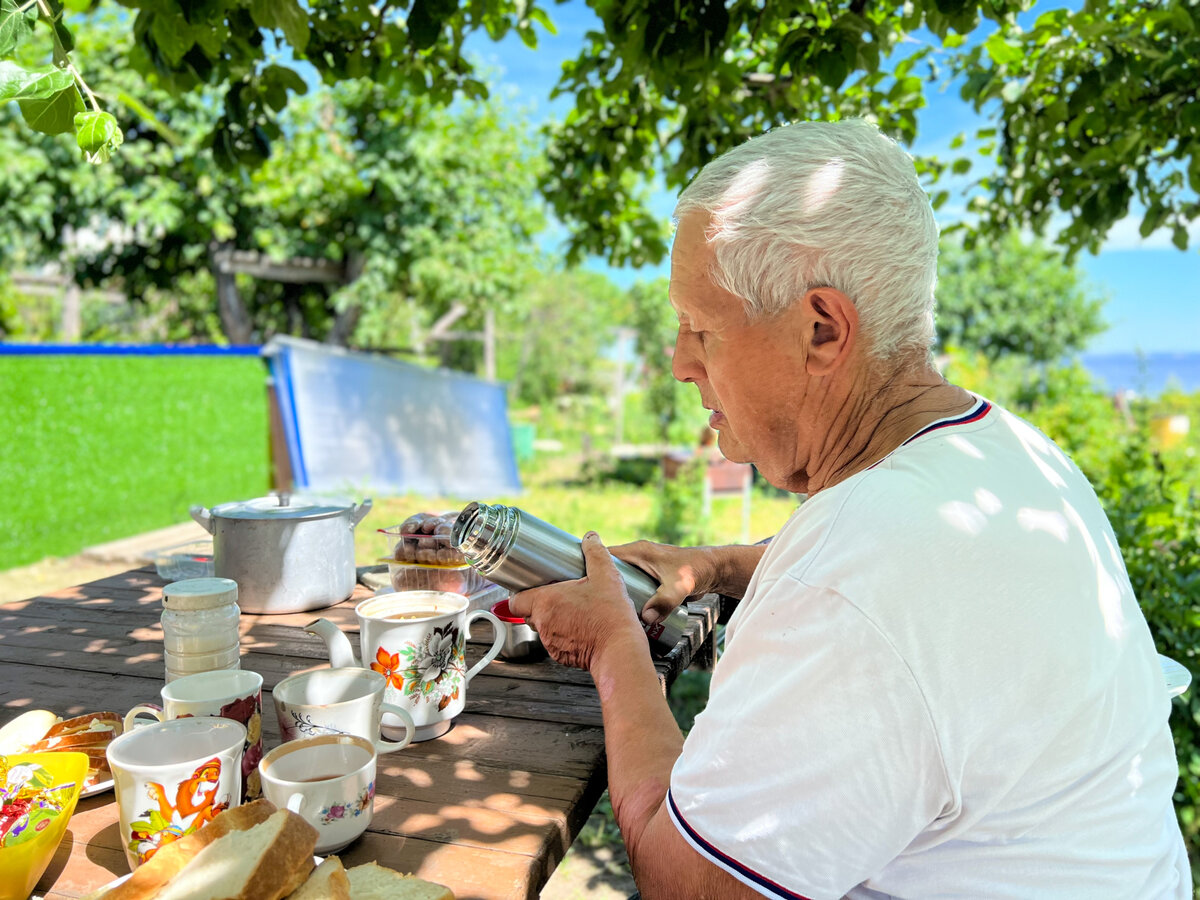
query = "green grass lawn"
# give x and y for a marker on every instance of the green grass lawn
(98, 448)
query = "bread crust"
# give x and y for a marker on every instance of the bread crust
(286, 865)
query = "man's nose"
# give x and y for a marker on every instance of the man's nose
(685, 364)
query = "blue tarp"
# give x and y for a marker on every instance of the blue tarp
(362, 423)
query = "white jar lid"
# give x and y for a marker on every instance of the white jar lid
(200, 593)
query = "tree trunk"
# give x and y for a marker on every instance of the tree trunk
(346, 321)
(235, 321)
(71, 324)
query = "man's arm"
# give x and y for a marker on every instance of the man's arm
(643, 742)
(684, 572)
(591, 624)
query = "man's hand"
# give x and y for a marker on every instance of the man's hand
(578, 619)
(682, 572)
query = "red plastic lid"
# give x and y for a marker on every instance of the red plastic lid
(501, 611)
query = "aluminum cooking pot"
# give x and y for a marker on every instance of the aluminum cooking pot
(287, 553)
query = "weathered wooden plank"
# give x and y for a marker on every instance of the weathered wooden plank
(534, 743)
(261, 634)
(472, 874)
(86, 652)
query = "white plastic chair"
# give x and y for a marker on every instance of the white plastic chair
(1175, 675)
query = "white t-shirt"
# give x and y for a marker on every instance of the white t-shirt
(939, 684)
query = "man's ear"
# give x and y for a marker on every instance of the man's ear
(832, 324)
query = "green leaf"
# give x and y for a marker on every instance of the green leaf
(1001, 51)
(37, 83)
(425, 21)
(55, 115)
(286, 15)
(15, 25)
(97, 134)
(173, 34)
(65, 39)
(1154, 217)
(294, 21)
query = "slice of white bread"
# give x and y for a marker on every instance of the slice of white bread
(150, 877)
(265, 862)
(373, 882)
(328, 881)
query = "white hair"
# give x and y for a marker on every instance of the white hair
(824, 204)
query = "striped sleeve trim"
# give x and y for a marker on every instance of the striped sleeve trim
(742, 873)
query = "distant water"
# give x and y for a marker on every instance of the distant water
(1147, 375)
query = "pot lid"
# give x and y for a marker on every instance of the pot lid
(281, 506)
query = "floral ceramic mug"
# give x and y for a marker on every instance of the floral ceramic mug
(417, 641)
(337, 701)
(328, 780)
(229, 693)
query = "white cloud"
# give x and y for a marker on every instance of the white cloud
(1124, 236)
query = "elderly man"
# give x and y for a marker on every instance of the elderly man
(938, 682)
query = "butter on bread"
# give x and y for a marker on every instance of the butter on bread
(96, 729)
(151, 876)
(375, 882)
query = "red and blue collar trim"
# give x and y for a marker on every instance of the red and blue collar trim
(727, 862)
(977, 412)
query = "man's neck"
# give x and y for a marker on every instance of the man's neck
(881, 417)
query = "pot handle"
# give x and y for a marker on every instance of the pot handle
(203, 517)
(360, 512)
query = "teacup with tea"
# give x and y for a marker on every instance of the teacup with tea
(417, 641)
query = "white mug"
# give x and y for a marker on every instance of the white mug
(172, 778)
(337, 701)
(417, 641)
(229, 693)
(329, 780)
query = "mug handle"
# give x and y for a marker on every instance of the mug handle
(498, 630)
(296, 802)
(386, 746)
(148, 708)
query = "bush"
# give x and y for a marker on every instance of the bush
(679, 508)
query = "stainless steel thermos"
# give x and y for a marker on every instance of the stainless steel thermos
(519, 551)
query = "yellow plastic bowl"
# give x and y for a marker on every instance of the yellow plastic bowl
(23, 862)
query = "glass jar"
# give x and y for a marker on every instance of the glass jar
(200, 626)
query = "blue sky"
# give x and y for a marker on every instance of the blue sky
(1153, 290)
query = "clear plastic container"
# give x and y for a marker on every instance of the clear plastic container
(200, 626)
(191, 560)
(423, 549)
(414, 577)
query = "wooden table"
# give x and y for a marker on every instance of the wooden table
(488, 809)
